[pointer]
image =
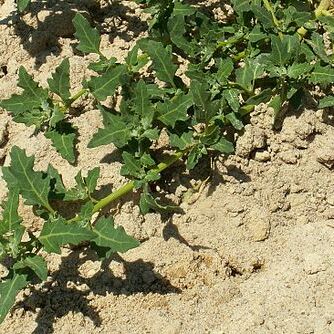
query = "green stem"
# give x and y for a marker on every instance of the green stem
(130, 185)
(76, 96)
(270, 9)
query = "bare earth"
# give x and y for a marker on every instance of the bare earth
(253, 251)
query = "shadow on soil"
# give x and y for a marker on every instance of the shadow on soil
(67, 291)
(42, 26)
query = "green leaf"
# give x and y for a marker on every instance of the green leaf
(36, 263)
(64, 144)
(60, 81)
(276, 103)
(33, 186)
(10, 218)
(246, 75)
(142, 104)
(175, 110)
(181, 142)
(194, 156)
(103, 65)
(32, 97)
(114, 238)
(91, 179)
(223, 146)
(232, 97)
(116, 131)
(89, 38)
(297, 70)
(147, 203)
(105, 85)
(326, 102)
(57, 233)
(8, 291)
(322, 75)
(263, 16)
(262, 97)
(225, 69)
(22, 5)
(132, 166)
(161, 59)
(235, 121)
(318, 46)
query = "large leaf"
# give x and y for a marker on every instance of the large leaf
(114, 238)
(142, 104)
(8, 291)
(36, 263)
(116, 131)
(89, 38)
(161, 58)
(132, 166)
(57, 233)
(60, 81)
(105, 85)
(33, 186)
(175, 110)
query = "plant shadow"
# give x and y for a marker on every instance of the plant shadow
(68, 291)
(45, 24)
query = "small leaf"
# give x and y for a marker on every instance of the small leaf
(36, 263)
(322, 75)
(225, 69)
(202, 99)
(89, 38)
(326, 102)
(175, 109)
(161, 58)
(114, 238)
(8, 291)
(194, 156)
(64, 144)
(57, 233)
(223, 146)
(181, 142)
(105, 85)
(235, 121)
(10, 218)
(147, 203)
(22, 5)
(232, 97)
(116, 131)
(32, 185)
(132, 166)
(91, 179)
(60, 81)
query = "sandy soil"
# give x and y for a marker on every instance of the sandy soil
(252, 253)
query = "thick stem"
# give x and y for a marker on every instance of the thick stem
(270, 9)
(130, 185)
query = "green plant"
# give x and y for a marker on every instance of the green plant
(266, 52)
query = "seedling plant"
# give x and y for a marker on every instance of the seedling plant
(265, 52)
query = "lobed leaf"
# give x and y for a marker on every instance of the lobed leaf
(57, 233)
(33, 186)
(111, 237)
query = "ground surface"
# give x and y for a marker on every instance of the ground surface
(252, 253)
